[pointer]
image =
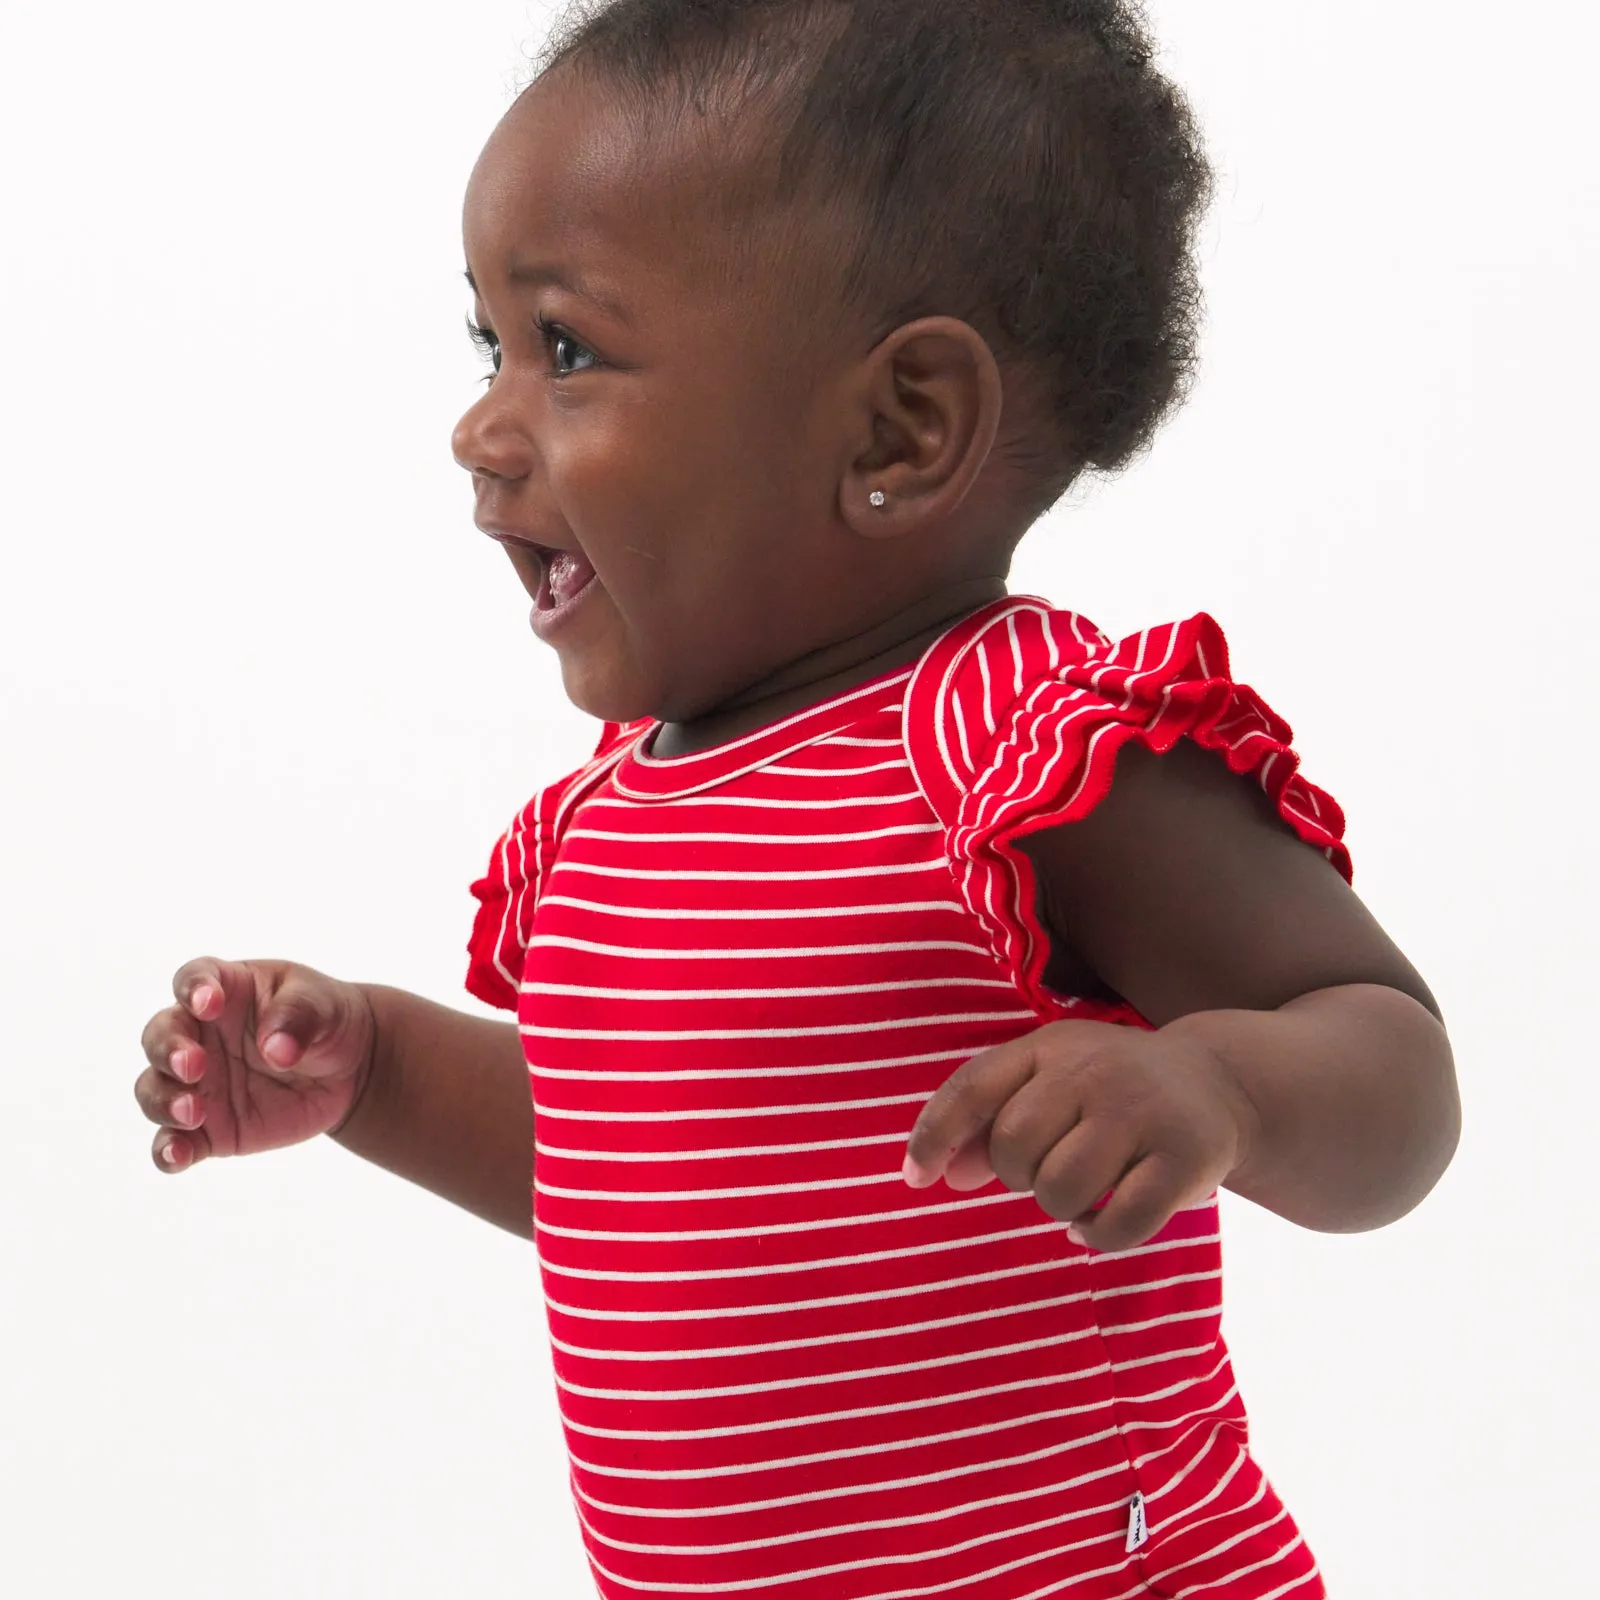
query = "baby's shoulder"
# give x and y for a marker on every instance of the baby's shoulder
(1023, 684)
(1014, 725)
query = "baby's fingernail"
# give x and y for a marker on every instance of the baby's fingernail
(913, 1174)
(169, 1152)
(1075, 1236)
(200, 1000)
(280, 1050)
(183, 1111)
(178, 1061)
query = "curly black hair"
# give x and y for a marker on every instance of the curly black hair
(1020, 164)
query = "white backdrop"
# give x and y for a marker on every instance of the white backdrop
(254, 661)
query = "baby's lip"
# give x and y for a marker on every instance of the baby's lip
(503, 535)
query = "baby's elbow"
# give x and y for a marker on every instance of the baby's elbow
(1429, 1128)
(1443, 1115)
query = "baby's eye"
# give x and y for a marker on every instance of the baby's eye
(486, 342)
(567, 355)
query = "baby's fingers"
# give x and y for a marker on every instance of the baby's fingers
(1145, 1201)
(174, 1152)
(180, 1113)
(205, 988)
(171, 1044)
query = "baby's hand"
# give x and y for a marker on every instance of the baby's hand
(254, 1056)
(1080, 1110)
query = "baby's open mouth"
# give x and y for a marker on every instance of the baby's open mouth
(567, 576)
(567, 573)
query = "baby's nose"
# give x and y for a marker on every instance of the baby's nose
(487, 441)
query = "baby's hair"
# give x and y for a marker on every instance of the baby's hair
(1020, 164)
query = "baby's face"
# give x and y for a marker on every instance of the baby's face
(655, 451)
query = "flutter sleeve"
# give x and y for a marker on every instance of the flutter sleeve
(508, 892)
(1014, 722)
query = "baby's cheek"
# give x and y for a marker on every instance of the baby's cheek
(600, 664)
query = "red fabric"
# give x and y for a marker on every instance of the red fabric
(1014, 722)
(739, 975)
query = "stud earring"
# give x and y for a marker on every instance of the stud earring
(878, 499)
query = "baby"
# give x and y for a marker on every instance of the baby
(912, 964)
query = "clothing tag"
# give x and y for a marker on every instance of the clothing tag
(1138, 1532)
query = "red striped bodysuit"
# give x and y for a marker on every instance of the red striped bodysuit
(739, 975)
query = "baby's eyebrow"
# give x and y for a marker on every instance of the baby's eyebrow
(537, 275)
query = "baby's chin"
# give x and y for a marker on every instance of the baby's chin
(615, 676)
(609, 687)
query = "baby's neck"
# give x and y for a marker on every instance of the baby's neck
(830, 671)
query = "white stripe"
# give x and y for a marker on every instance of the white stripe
(585, 991)
(580, 784)
(1184, 1424)
(960, 720)
(779, 770)
(728, 1352)
(812, 1381)
(965, 1470)
(767, 1309)
(660, 1157)
(656, 1586)
(857, 742)
(561, 941)
(871, 1257)
(684, 875)
(733, 1073)
(840, 803)
(1294, 1583)
(1053, 662)
(1167, 1393)
(1219, 1585)
(505, 877)
(776, 914)
(1161, 1322)
(784, 1501)
(1188, 1468)
(1168, 1244)
(1185, 1521)
(810, 1226)
(876, 1526)
(905, 1558)
(1156, 1457)
(900, 831)
(739, 1469)
(994, 804)
(947, 696)
(822, 1222)
(1158, 1283)
(816, 1419)
(685, 763)
(1227, 1544)
(1010, 797)
(544, 1030)
(748, 1192)
(1165, 1356)
(736, 1113)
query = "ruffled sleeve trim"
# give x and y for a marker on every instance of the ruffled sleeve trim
(508, 892)
(1014, 722)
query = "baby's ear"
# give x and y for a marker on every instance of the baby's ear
(933, 394)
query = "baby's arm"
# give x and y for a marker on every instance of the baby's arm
(256, 1055)
(447, 1105)
(1298, 1057)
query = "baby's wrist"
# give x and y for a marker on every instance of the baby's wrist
(372, 1071)
(1214, 1038)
